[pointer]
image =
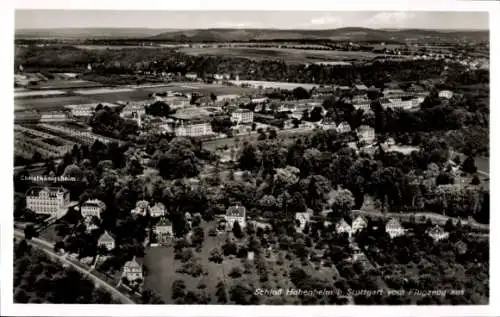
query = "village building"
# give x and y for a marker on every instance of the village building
(394, 228)
(54, 116)
(446, 94)
(107, 241)
(344, 127)
(191, 76)
(193, 122)
(358, 224)
(437, 233)
(343, 227)
(163, 231)
(141, 208)
(303, 218)
(132, 270)
(91, 223)
(92, 208)
(242, 116)
(366, 134)
(51, 201)
(235, 214)
(158, 210)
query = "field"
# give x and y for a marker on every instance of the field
(32, 93)
(112, 47)
(202, 88)
(49, 103)
(103, 90)
(64, 84)
(273, 84)
(289, 55)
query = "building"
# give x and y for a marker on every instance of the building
(235, 214)
(344, 127)
(437, 233)
(394, 228)
(92, 208)
(158, 210)
(141, 208)
(359, 224)
(163, 231)
(132, 270)
(55, 116)
(445, 94)
(193, 122)
(87, 110)
(366, 134)
(86, 137)
(242, 116)
(26, 144)
(191, 76)
(90, 224)
(259, 100)
(133, 108)
(303, 218)
(107, 241)
(343, 227)
(227, 97)
(51, 201)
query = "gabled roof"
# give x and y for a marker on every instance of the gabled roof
(163, 222)
(394, 223)
(106, 237)
(360, 218)
(94, 203)
(342, 224)
(51, 191)
(133, 264)
(160, 206)
(236, 211)
(436, 230)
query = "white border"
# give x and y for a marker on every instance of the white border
(7, 22)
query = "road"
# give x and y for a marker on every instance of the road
(436, 218)
(48, 247)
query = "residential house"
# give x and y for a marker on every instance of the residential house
(344, 127)
(158, 210)
(394, 228)
(437, 233)
(48, 200)
(132, 270)
(359, 224)
(141, 208)
(191, 76)
(366, 134)
(445, 94)
(242, 116)
(163, 231)
(90, 223)
(303, 218)
(107, 241)
(92, 207)
(342, 226)
(235, 214)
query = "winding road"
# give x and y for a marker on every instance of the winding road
(48, 248)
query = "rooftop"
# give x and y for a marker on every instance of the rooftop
(52, 191)
(236, 211)
(191, 113)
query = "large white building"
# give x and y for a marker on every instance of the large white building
(242, 116)
(92, 208)
(107, 241)
(193, 122)
(87, 110)
(394, 228)
(48, 200)
(235, 214)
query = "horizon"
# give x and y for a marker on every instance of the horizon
(277, 20)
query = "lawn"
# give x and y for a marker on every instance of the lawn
(289, 55)
(132, 95)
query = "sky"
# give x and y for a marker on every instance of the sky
(28, 19)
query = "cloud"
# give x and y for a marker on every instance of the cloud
(390, 19)
(327, 20)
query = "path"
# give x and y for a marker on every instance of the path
(48, 248)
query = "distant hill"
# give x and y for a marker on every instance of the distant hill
(245, 35)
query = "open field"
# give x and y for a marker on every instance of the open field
(49, 103)
(289, 55)
(103, 90)
(133, 95)
(202, 88)
(273, 84)
(65, 84)
(33, 93)
(112, 47)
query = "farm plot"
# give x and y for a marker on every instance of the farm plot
(131, 95)
(49, 103)
(65, 84)
(33, 93)
(103, 90)
(289, 55)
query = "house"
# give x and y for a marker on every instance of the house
(90, 224)
(141, 208)
(92, 207)
(344, 127)
(242, 116)
(163, 230)
(132, 270)
(303, 218)
(342, 226)
(158, 210)
(394, 228)
(366, 134)
(445, 94)
(191, 76)
(107, 241)
(437, 233)
(48, 200)
(359, 224)
(235, 214)
(192, 122)
(250, 255)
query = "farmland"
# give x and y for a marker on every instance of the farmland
(49, 103)
(293, 56)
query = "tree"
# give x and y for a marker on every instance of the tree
(216, 255)
(341, 202)
(469, 166)
(235, 272)
(221, 293)
(213, 97)
(178, 289)
(272, 134)
(30, 232)
(243, 294)
(316, 114)
(262, 136)
(248, 158)
(475, 180)
(300, 93)
(444, 178)
(238, 233)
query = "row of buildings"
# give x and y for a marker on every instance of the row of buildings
(85, 136)
(29, 141)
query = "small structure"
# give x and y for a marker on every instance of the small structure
(92, 208)
(235, 213)
(163, 231)
(303, 218)
(446, 94)
(107, 241)
(250, 255)
(342, 226)
(366, 134)
(141, 208)
(242, 116)
(191, 76)
(437, 233)
(158, 210)
(394, 228)
(359, 224)
(132, 270)
(344, 127)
